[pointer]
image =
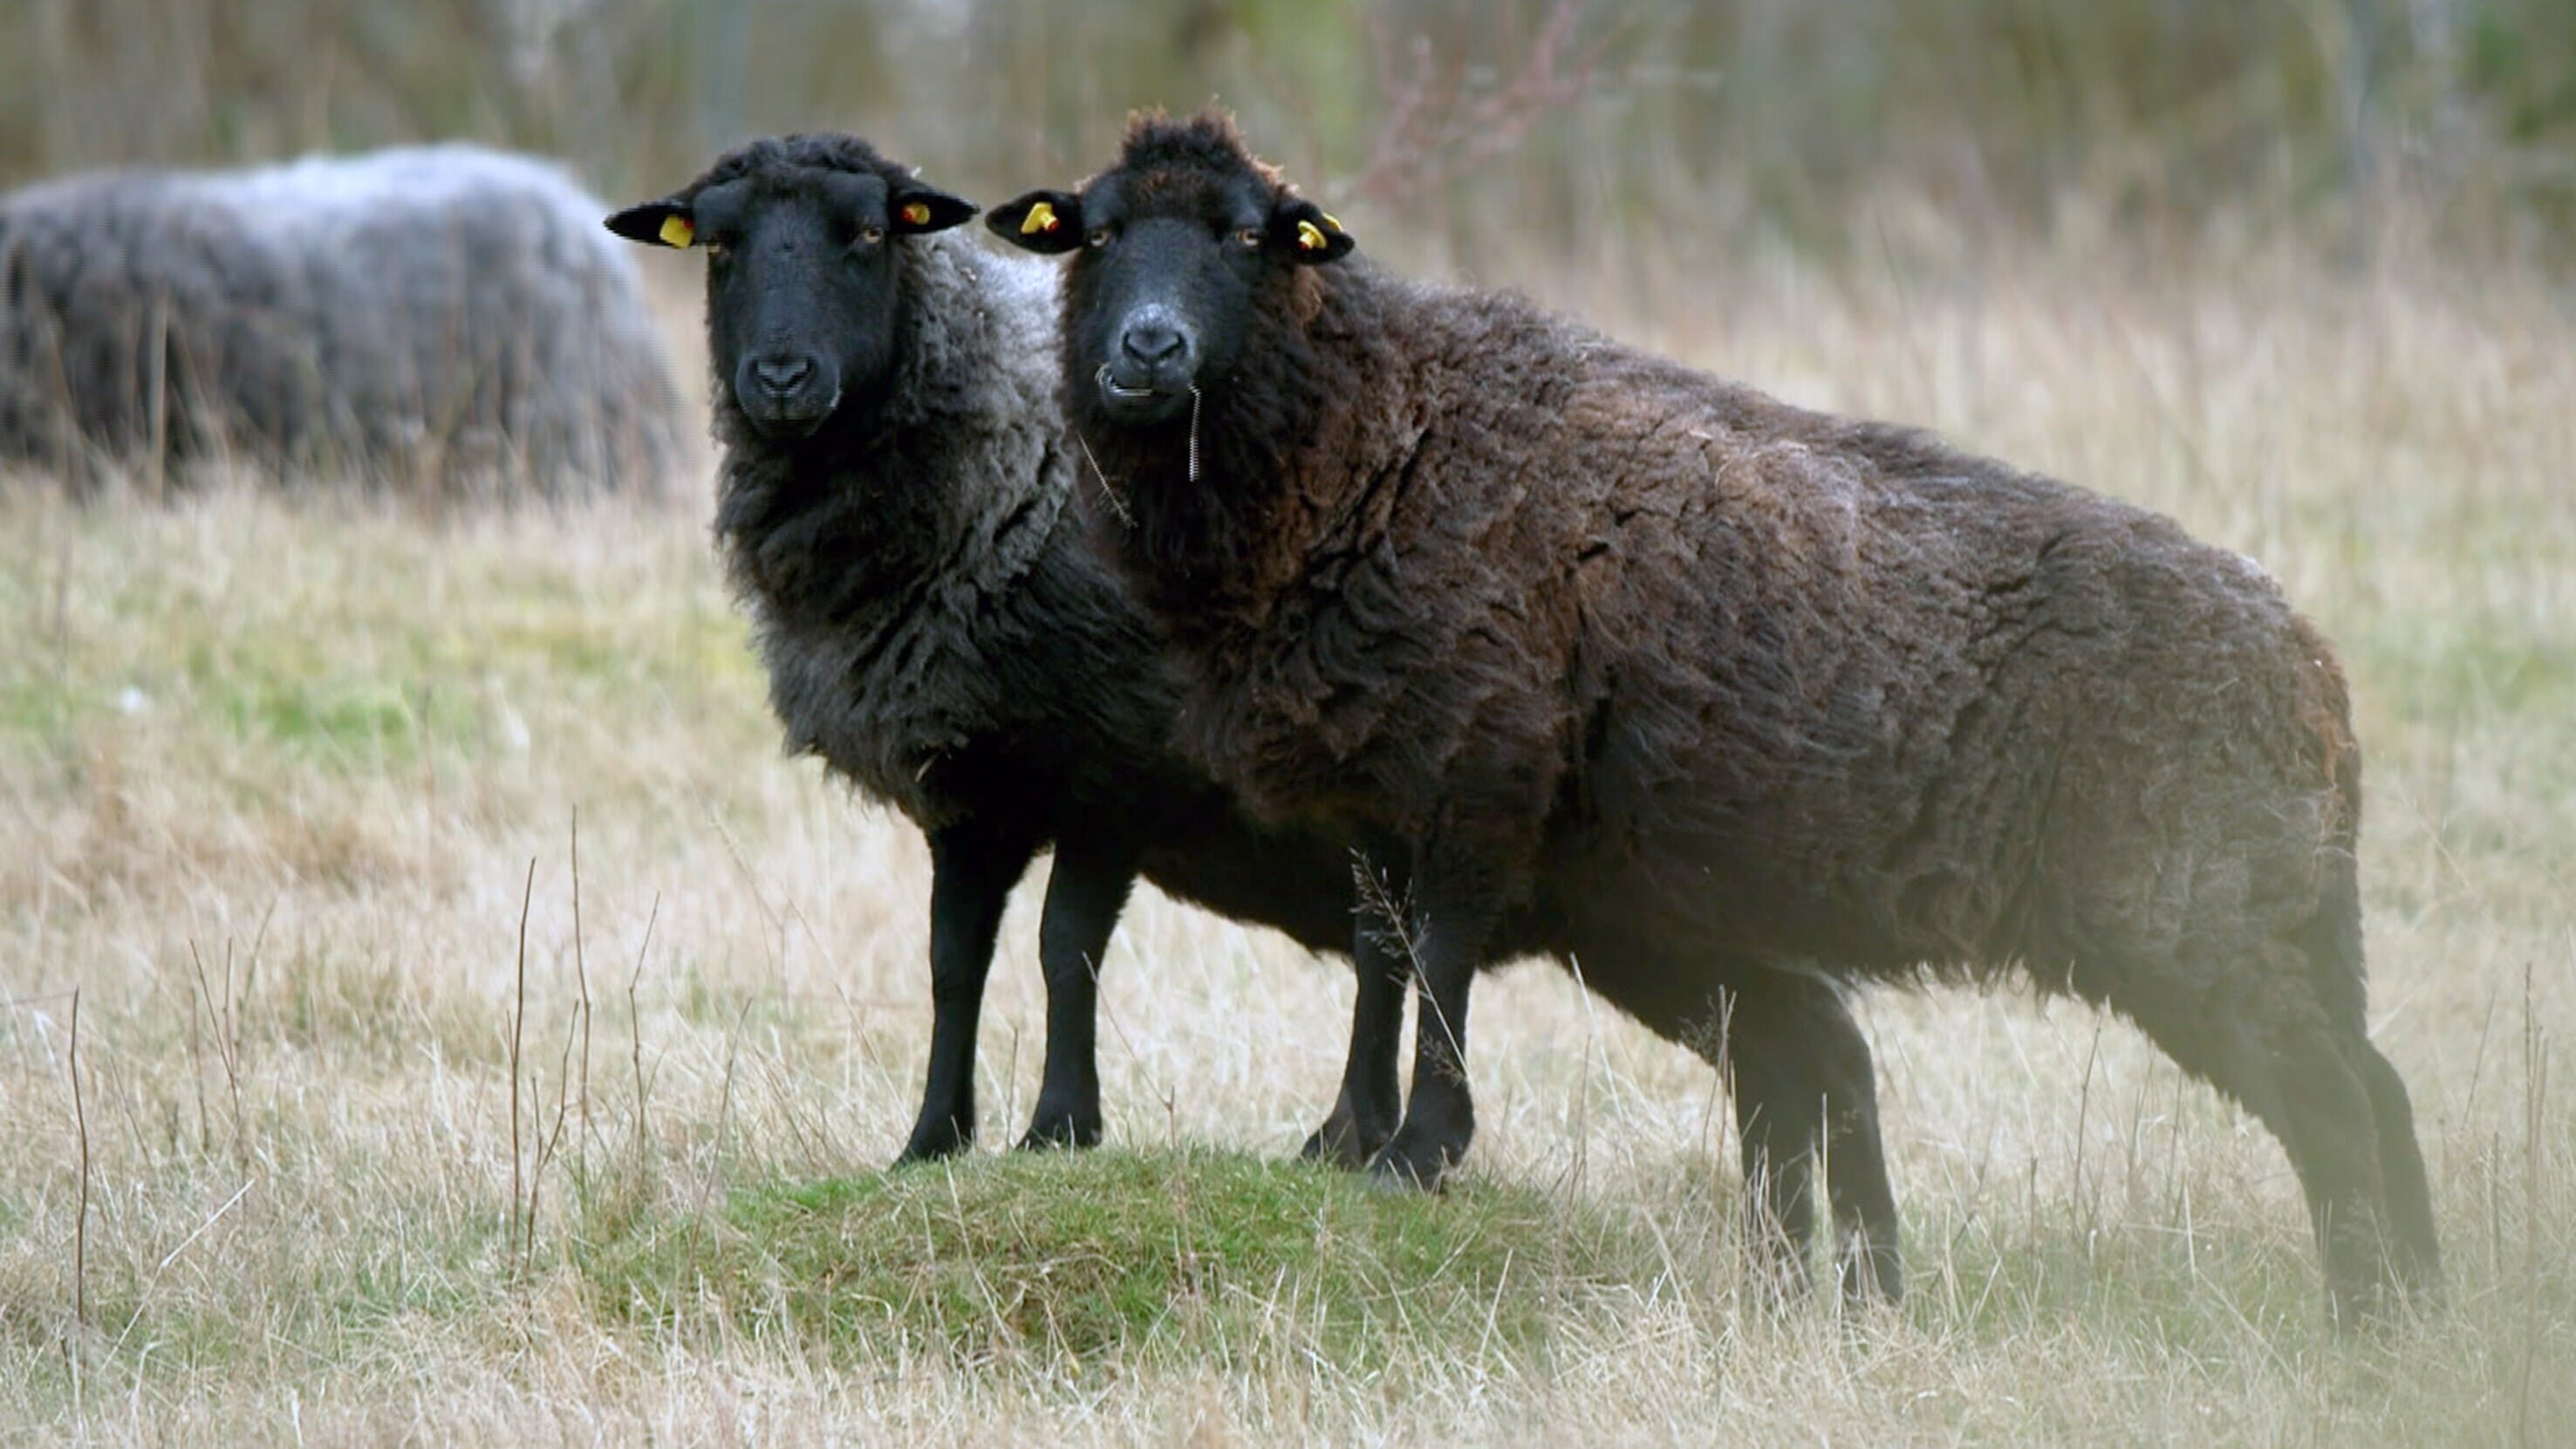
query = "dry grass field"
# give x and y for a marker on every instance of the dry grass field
(273, 775)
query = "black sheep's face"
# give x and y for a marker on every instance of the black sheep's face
(1170, 272)
(805, 300)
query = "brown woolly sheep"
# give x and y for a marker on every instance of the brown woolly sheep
(899, 510)
(1732, 689)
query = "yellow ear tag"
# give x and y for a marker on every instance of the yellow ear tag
(1041, 217)
(916, 213)
(1334, 222)
(676, 231)
(1310, 237)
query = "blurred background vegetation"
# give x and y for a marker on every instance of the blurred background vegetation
(1473, 131)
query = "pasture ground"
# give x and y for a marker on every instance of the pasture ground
(273, 774)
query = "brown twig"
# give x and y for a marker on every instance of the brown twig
(518, 1024)
(635, 1026)
(547, 1147)
(1443, 120)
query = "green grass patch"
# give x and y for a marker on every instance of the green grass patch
(2441, 669)
(1195, 1256)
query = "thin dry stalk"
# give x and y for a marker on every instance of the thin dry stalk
(581, 982)
(546, 1148)
(197, 1063)
(2535, 1088)
(724, 1118)
(635, 1029)
(227, 1042)
(80, 1219)
(2084, 1203)
(518, 1024)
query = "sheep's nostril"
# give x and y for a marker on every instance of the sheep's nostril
(780, 376)
(1151, 345)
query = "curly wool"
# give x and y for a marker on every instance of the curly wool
(1731, 687)
(442, 312)
(943, 626)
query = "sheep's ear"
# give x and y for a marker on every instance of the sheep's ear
(1042, 221)
(918, 209)
(1309, 232)
(656, 224)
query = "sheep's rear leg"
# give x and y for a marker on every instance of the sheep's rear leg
(1803, 1088)
(1085, 893)
(972, 870)
(2277, 1048)
(2401, 1165)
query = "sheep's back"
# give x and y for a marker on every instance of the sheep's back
(1807, 683)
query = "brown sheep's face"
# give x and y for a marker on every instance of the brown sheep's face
(804, 300)
(1171, 268)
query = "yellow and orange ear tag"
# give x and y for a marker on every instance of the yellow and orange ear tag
(916, 213)
(1041, 217)
(677, 232)
(1310, 237)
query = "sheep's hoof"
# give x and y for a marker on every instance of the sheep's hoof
(1344, 1142)
(933, 1141)
(1060, 1130)
(1411, 1160)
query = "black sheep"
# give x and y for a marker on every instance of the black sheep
(1728, 689)
(899, 509)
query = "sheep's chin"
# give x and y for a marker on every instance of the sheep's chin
(788, 425)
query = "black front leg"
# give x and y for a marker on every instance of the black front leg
(1371, 1103)
(972, 869)
(1458, 905)
(1085, 893)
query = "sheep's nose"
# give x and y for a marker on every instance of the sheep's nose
(1150, 344)
(782, 374)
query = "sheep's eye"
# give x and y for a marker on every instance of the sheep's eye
(1099, 237)
(1249, 238)
(872, 234)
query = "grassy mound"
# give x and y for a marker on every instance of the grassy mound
(1196, 1253)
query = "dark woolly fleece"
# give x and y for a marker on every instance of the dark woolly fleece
(441, 312)
(943, 627)
(1727, 687)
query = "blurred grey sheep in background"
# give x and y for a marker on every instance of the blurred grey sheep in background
(445, 317)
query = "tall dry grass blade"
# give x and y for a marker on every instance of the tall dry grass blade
(518, 1024)
(80, 1214)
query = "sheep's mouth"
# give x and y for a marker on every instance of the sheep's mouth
(788, 422)
(1138, 402)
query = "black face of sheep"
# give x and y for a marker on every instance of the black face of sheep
(804, 302)
(1175, 266)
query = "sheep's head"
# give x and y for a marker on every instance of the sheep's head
(805, 301)
(1181, 248)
